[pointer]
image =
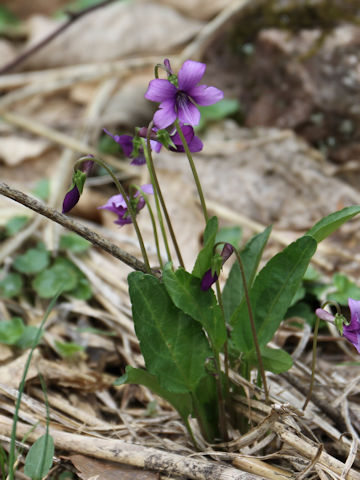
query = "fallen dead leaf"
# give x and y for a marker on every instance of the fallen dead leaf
(91, 469)
(11, 373)
(14, 149)
(200, 9)
(116, 31)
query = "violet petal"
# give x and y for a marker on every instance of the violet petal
(190, 74)
(160, 90)
(204, 95)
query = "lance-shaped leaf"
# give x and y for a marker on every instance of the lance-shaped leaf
(271, 295)
(327, 225)
(185, 291)
(174, 346)
(274, 360)
(233, 293)
(180, 401)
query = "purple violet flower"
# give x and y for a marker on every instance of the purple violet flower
(79, 177)
(126, 142)
(209, 277)
(177, 95)
(117, 204)
(351, 331)
(194, 142)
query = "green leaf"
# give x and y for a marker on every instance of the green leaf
(180, 401)
(40, 458)
(83, 290)
(173, 345)
(15, 224)
(218, 111)
(7, 18)
(42, 189)
(272, 293)
(33, 260)
(62, 275)
(230, 235)
(203, 260)
(68, 349)
(345, 289)
(28, 337)
(233, 293)
(74, 243)
(274, 360)
(327, 225)
(11, 285)
(11, 331)
(185, 291)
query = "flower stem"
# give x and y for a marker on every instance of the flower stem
(193, 170)
(153, 222)
(313, 363)
(157, 204)
(128, 204)
(156, 184)
(252, 324)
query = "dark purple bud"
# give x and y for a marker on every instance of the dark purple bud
(208, 280)
(227, 252)
(71, 199)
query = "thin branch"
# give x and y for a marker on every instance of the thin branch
(76, 227)
(73, 16)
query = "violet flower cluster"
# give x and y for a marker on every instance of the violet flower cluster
(178, 97)
(351, 331)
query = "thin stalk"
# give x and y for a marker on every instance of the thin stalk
(252, 324)
(226, 353)
(11, 461)
(222, 415)
(313, 363)
(128, 205)
(157, 204)
(161, 198)
(193, 170)
(153, 222)
(314, 352)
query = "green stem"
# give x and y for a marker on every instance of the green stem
(153, 222)
(11, 460)
(127, 201)
(161, 198)
(226, 353)
(313, 363)
(222, 414)
(252, 324)
(157, 204)
(193, 170)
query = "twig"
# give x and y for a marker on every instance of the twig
(76, 227)
(73, 17)
(136, 455)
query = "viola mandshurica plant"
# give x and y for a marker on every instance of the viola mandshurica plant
(192, 330)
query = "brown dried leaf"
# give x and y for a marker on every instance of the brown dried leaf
(200, 9)
(12, 372)
(91, 469)
(75, 376)
(116, 31)
(14, 150)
